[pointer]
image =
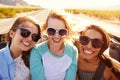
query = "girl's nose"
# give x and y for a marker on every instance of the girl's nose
(57, 34)
(89, 44)
(29, 37)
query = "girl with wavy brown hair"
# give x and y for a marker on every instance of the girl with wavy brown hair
(93, 64)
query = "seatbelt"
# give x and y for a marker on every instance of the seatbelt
(2, 44)
(99, 72)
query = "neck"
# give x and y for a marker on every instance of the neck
(56, 49)
(94, 61)
(15, 52)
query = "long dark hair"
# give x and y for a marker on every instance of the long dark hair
(104, 34)
(107, 60)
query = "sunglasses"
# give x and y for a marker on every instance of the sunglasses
(96, 43)
(52, 31)
(25, 33)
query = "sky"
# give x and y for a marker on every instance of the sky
(74, 3)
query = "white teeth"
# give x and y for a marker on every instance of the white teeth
(26, 43)
(88, 52)
(56, 40)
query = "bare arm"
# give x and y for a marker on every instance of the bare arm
(77, 77)
(109, 75)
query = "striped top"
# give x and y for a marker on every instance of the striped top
(83, 75)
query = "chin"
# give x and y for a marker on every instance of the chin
(86, 56)
(26, 49)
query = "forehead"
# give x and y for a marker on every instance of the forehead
(93, 34)
(55, 23)
(29, 25)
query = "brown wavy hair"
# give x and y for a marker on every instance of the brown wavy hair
(15, 26)
(106, 59)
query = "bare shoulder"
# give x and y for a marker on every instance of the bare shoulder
(108, 74)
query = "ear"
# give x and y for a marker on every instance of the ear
(11, 33)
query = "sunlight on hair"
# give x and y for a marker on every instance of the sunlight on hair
(32, 18)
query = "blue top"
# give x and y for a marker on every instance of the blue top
(6, 64)
(46, 66)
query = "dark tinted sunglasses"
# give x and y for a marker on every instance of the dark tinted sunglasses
(52, 31)
(96, 43)
(25, 33)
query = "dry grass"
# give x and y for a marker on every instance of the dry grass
(8, 12)
(102, 14)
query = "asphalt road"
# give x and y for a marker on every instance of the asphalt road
(81, 21)
(6, 24)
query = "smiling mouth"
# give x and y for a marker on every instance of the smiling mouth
(56, 41)
(26, 43)
(87, 51)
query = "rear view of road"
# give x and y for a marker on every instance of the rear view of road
(5, 24)
(81, 21)
(109, 27)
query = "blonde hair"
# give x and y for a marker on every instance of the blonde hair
(61, 15)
